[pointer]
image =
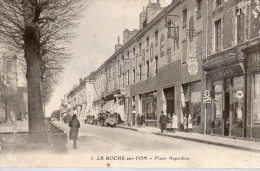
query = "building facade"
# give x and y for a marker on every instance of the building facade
(148, 73)
(80, 99)
(232, 68)
(193, 57)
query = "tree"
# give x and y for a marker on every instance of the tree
(40, 31)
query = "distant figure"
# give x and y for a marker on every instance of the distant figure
(185, 122)
(174, 122)
(139, 120)
(189, 122)
(142, 119)
(162, 121)
(74, 130)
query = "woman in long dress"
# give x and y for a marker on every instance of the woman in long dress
(174, 122)
(74, 130)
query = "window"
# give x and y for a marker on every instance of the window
(147, 42)
(147, 69)
(240, 29)
(256, 96)
(123, 81)
(199, 44)
(198, 9)
(169, 32)
(176, 38)
(127, 77)
(168, 56)
(134, 51)
(151, 53)
(162, 46)
(140, 47)
(143, 57)
(156, 64)
(156, 37)
(134, 75)
(149, 105)
(140, 74)
(218, 3)
(184, 18)
(217, 35)
(184, 51)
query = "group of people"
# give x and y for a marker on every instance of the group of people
(171, 122)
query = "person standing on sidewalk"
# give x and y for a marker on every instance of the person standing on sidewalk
(74, 130)
(174, 122)
(162, 121)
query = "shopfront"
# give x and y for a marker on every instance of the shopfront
(149, 106)
(191, 103)
(226, 80)
(253, 65)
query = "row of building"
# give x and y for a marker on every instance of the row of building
(197, 57)
(13, 97)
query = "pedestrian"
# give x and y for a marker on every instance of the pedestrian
(162, 121)
(19, 119)
(185, 122)
(74, 130)
(139, 120)
(189, 122)
(174, 122)
(142, 119)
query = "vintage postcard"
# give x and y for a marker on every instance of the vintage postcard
(130, 83)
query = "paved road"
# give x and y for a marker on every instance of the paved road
(102, 146)
(102, 141)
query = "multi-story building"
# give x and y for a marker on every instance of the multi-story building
(149, 72)
(194, 57)
(79, 100)
(233, 67)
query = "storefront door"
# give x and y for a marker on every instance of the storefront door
(228, 106)
(226, 114)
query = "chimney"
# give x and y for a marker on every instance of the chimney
(152, 10)
(142, 18)
(118, 45)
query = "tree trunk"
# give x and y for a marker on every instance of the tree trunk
(32, 56)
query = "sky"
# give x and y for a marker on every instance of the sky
(103, 22)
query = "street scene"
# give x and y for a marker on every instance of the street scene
(143, 84)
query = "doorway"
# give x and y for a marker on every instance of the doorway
(226, 114)
(169, 97)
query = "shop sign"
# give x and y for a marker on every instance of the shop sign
(254, 60)
(220, 59)
(225, 72)
(239, 94)
(206, 98)
(207, 93)
(193, 66)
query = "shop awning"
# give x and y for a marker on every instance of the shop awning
(108, 106)
(118, 107)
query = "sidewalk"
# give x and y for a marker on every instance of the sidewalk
(230, 142)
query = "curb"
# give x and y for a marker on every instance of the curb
(200, 141)
(133, 129)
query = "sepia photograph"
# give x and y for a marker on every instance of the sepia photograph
(129, 84)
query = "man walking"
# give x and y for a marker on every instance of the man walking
(163, 121)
